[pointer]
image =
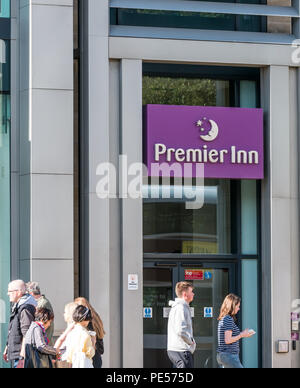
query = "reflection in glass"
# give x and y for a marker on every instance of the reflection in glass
(250, 311)
(4, 8)
(249, 217)
(157, 18)
(185, 91)
(209, 292)
(171, 228)
(158, 291)
(188, 20)
(248, 94)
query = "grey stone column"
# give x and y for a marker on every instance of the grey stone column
(295, 215)
(46, 148)
(279, 197)
(132, 214)
(100, 218)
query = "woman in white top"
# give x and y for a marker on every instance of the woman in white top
(81, 342)
(62, 342)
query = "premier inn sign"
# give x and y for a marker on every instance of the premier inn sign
(228, 142)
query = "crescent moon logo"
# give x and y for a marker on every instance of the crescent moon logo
(213, 132)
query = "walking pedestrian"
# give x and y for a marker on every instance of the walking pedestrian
(81, 347)
(181, 343)
(38, 353)
(33, 288)
(22, 315)
(229, 334)
(62, 342)
(95, 325)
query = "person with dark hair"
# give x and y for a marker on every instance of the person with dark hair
(33, 288)
(95, 325)
(81, 342)
(38, 353)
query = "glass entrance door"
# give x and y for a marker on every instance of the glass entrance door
(212, 283)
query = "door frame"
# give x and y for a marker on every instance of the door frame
(214, 265)
(178, 266)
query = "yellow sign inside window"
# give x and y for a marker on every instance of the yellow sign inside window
(202, 247)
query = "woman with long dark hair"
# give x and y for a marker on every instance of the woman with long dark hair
(95, 325)
(229, 335)
(81, 348)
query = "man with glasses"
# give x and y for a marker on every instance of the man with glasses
(22, 316)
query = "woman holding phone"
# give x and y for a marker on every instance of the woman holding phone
(229, 335)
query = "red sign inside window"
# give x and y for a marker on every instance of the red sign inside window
(194, 274)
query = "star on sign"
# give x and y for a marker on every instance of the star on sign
(199, 124)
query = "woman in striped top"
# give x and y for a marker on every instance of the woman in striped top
(229, 334)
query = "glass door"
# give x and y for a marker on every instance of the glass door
(212, 283)
(159, 283)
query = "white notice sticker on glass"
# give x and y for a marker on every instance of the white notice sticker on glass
(166, 312)
(133, 282)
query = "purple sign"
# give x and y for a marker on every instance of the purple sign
(295, 317)
(227, 141)
(295, 336)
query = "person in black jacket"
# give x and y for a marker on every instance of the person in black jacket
(22, 315)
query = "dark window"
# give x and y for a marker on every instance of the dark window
(199, 85)
(170, 228)
(190, 20)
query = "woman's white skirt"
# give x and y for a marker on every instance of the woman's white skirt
(80, 361)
